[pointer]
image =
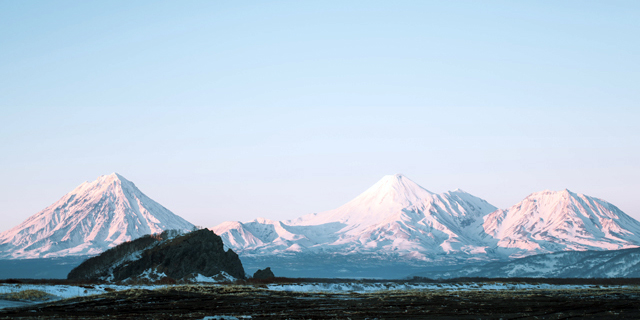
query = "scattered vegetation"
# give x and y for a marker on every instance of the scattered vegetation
(246, 298)
(30, 295)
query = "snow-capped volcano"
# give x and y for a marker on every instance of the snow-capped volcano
(393, 198)
(395, 216)
(385, 200)
(551, 221)
(88, 220)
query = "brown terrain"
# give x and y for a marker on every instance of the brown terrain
(252, 299)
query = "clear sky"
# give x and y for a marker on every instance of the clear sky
(232, 110)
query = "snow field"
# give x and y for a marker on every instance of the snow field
(375, 287)
(60, 292)
(68, 291)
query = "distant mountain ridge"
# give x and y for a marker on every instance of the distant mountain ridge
(397, 218)
(394, 217)
(92, 218)
(624, 263)
(394, 224)
(552, 221)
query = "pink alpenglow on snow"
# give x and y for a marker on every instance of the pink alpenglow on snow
(92, 218)
(395, 216)
(551, 221)
(398, 218)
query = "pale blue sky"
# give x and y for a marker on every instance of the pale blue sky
(236, 110)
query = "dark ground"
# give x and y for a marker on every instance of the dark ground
(197, 302)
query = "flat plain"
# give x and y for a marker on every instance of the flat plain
(341, 299)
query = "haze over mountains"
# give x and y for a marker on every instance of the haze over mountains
(395, 221)
(92, 218)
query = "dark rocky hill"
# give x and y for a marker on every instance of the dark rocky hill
(264, 274)
(175, 256)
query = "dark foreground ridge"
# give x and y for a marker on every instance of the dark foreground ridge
(199, 302)
(197, 252)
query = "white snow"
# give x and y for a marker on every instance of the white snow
(151, 274)
(221, 277)
(67, 291)
(551, 221)
(393, 286)
(397, 217)
(93, 217)
(64, 291)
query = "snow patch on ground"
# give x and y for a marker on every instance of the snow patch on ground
(69, 291)
(63, 291)
(152, 275)
(220, 277)
(374, 287)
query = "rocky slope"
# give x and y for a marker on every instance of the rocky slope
(92, 218)
(168, 254)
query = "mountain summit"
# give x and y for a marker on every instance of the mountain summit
(550, 221)
(395, 217)
(88, 220)
(386, 198)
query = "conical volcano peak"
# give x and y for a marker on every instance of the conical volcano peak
(394, 189)
(398, 183)
(103, 183)
(458, 190)
(397, 176)
(93, 217)
(395, 216)
(112, 177)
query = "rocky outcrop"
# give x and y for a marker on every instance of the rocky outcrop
(177, 257)
(264, 274)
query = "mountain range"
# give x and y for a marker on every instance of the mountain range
(396, 218)
(394, 222)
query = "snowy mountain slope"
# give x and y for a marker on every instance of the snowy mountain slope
(394, 217)
(93, 217)
(551, 221)
(624, 263)
(397, 218)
